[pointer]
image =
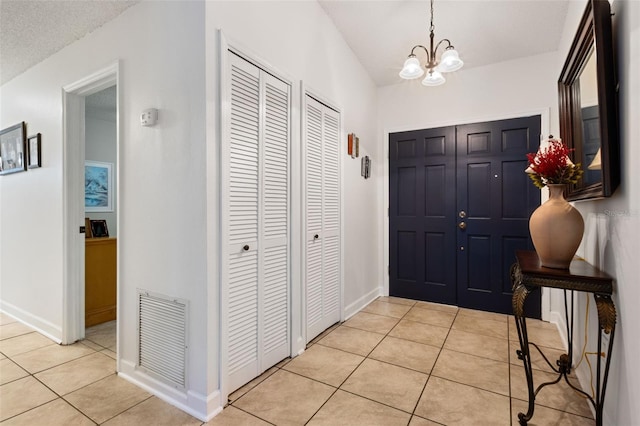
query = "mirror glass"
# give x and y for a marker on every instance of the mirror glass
(590, 156)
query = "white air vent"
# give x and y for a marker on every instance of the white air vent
(162, 337)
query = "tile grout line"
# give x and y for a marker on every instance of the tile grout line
(362, 362)
(434, 364)
(58, 396)
(134, 405)
(251, 414)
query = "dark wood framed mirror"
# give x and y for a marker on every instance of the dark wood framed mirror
(588, 103)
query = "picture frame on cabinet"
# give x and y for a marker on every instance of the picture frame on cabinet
(99, 228)
(350, 141)
(13, 144)
(98, 186)
(357, 153)
(87, 228)
(33, 149)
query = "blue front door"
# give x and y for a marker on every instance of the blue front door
(459, 208)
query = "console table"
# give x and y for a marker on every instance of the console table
(527, 275)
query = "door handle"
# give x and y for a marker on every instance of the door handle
(462, 225)
(246, 247)
(315, 237)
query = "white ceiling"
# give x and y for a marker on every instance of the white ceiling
(31, 31)
(381, 33)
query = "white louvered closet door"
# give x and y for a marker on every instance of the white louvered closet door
(256, 214)
(322, 188)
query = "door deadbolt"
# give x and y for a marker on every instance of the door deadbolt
(462, 214)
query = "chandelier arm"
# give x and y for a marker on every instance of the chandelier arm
(440, 42)
(425, 50)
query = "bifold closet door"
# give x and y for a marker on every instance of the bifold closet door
(256, 206)
(322, 201)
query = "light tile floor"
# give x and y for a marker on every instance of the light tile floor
(397, 362)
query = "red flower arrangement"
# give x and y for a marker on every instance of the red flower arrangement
(551, 165)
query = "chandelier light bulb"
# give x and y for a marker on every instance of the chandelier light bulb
(450, 61)
(411, 68)
(433, 78)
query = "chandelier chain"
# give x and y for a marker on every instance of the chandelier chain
(432, 28)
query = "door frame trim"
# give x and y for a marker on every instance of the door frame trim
(384, 203)
(73, 146)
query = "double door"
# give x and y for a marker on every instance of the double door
(256, 223)
(322, 216)
(459, 209)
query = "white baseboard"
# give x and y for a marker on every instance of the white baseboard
(202, 407)
(558, 319)
(356, 306)
(42, 326)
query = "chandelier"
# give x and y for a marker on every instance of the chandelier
(450, 61)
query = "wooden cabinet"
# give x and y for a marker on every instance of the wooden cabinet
(100, 280)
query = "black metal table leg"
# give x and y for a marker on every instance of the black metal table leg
(525, 356)
(607, 325)
(527, 275)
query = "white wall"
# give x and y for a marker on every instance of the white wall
(506, 90)
(100, 145)
(612, 231)
(310, 49)
(162, 246)
(168, 175)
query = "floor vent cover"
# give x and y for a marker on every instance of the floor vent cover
(162, 337)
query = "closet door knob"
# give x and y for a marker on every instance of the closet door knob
(246, 247)
(315, 237)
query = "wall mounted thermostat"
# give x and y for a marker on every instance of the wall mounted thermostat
(149, 117)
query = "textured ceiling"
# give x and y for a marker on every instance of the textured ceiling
(380, 32)
(31, 31)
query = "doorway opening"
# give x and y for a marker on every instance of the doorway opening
(91, 208)
(101, 224)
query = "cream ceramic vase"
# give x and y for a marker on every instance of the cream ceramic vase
(556, 229)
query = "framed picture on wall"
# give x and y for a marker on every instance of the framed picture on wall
(33, 148)
(98, 186)
(13, 144)
(99, 228)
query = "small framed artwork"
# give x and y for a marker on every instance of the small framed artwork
(357, 147)
(13, 144)
(98, 186)
(365, 167)
(33, 148)
(350, 138)
(99, 228)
